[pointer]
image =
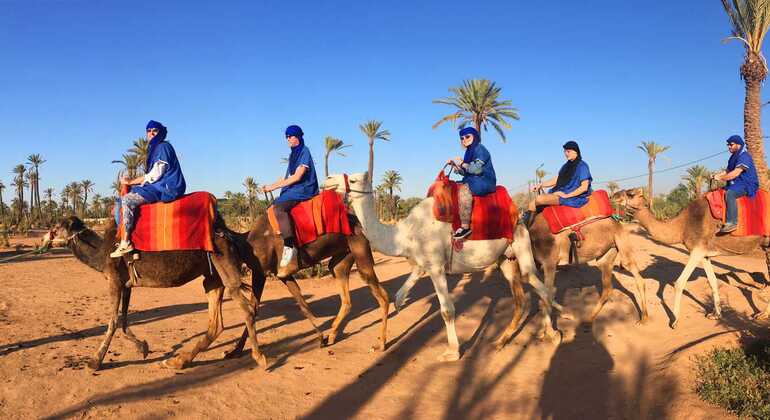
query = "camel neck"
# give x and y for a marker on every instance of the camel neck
(88, 247)
(383, 238)
(671, 232)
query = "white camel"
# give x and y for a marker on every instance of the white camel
(427, 245)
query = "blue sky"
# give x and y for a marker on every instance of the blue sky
(80, 80)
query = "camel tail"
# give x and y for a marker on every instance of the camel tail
(124, 301)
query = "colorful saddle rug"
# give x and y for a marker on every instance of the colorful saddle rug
(183, 224)
(564, 217)
(494, 215)
(322, 214)
(753, 216)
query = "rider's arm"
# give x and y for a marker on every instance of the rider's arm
(548, 184)
(584, 185)
(157, 171)
(292, 179)
(735, 173)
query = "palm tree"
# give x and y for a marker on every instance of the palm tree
(87, 187)
(332, 145)
(749, 21)
(252, 189)
(652, 150)
(477, 104)
(29, 176)
(96, 205)
(391, 180)
(539, 175)
(49, 198)
(19, 183)
(372, 130)
(76, 190)
(140, 149)
(2, 205)
(131, 162)
(65, 194)
(695, 178)
(613, 187)
(35, 160)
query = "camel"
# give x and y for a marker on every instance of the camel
(427, 245)
(163, 269)
(697, 230)
(605, 240)
(266, 247)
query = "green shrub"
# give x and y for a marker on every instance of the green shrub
(736, 379)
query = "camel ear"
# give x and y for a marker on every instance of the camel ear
(639, 191)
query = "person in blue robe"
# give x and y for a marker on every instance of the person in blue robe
(163, 181)
(478, 173)
(741, 178)
(571, 187)
(299, 184)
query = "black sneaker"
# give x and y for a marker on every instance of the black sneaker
(462, 233)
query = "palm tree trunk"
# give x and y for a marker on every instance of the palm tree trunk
(754, 72)
(650, 169)
(326, 165)
(371, 162)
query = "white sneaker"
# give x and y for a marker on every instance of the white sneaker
(123, 248)
(288, 254)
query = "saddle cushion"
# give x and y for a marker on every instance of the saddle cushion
(494, 215)
(753, 217)
(565, 217)
(183, 224)
(325, 213)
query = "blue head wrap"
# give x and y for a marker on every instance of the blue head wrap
(734, 157)
(295, 130)
(476, 140)
(161, 136)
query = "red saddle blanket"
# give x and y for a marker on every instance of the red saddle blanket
(564, 217)
(753, 217)
(494, 215)
(183, 224)
(322, 214)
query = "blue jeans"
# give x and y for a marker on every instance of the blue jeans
(731, 201)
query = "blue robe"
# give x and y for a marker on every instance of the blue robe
(582, 173)
(307, 187)
(171, 184)
(747, 182)
(485, 182)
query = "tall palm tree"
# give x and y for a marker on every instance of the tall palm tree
(613, 187)
(49, 199)
(373, 131)
(695, 178)
(652, 150)
(19, 183)
(35, 160)
(88, 186)
(332, 145)
(2, 205)
(539, 175)
(391, 180)
(76, 190)
(140, 149)
(252, 189)
(32, 181)
(478, 104)
(749, 21)
(65, 195)
(132, 163)
(96, 205)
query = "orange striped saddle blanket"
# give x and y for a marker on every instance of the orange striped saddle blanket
(753, 213)
(565, 217)
(322, 214)
(183, 224)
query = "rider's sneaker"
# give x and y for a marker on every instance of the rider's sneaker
(288, 254)
(728, 227)
(461, 233)
(123, 248)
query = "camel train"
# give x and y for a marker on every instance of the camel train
(165, 238)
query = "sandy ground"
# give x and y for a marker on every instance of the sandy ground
(53, 313)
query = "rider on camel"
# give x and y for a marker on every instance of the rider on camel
(741, 178)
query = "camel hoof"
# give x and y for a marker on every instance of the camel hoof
(330, 340)
(232, 354)
(144, 348)
(377, 348)
(762, 316)
(175, 362)
(547, 336)
(399, 302)
(644, 320)
(261, 360)
(94, 364)
(449, 356)
(713, 315)
(674, 324)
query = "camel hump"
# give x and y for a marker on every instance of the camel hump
(323, 214)
(753, 212)
(560, 218)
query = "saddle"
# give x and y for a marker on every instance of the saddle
(325, 213)
(753, 213)
(494, 215)
(186, 223)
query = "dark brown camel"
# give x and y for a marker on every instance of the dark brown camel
(343, 251)
(697, 230)
(165, 269)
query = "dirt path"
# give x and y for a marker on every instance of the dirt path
(53, 314)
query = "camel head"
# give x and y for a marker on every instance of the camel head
(65, 229)
(355, 184)
(631, 200)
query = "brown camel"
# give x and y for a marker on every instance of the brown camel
(697, 230)
(266, 248)
(605, 241)
(164, 269)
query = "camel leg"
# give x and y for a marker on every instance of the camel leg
(257, 288)
(712, 279)
(549, 274)
(511, 273)
(406, 287)
(641, 287)
(140, 345)
(681, 283)
(293, 287)
(229, 271)
(438, 277)
(214, 294)
(341, 269)
(116, 287)
(606, 264)
(766, 313)
(362, 253)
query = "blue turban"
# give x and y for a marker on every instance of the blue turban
(476, 140)
(736, 139)
(161, 136)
